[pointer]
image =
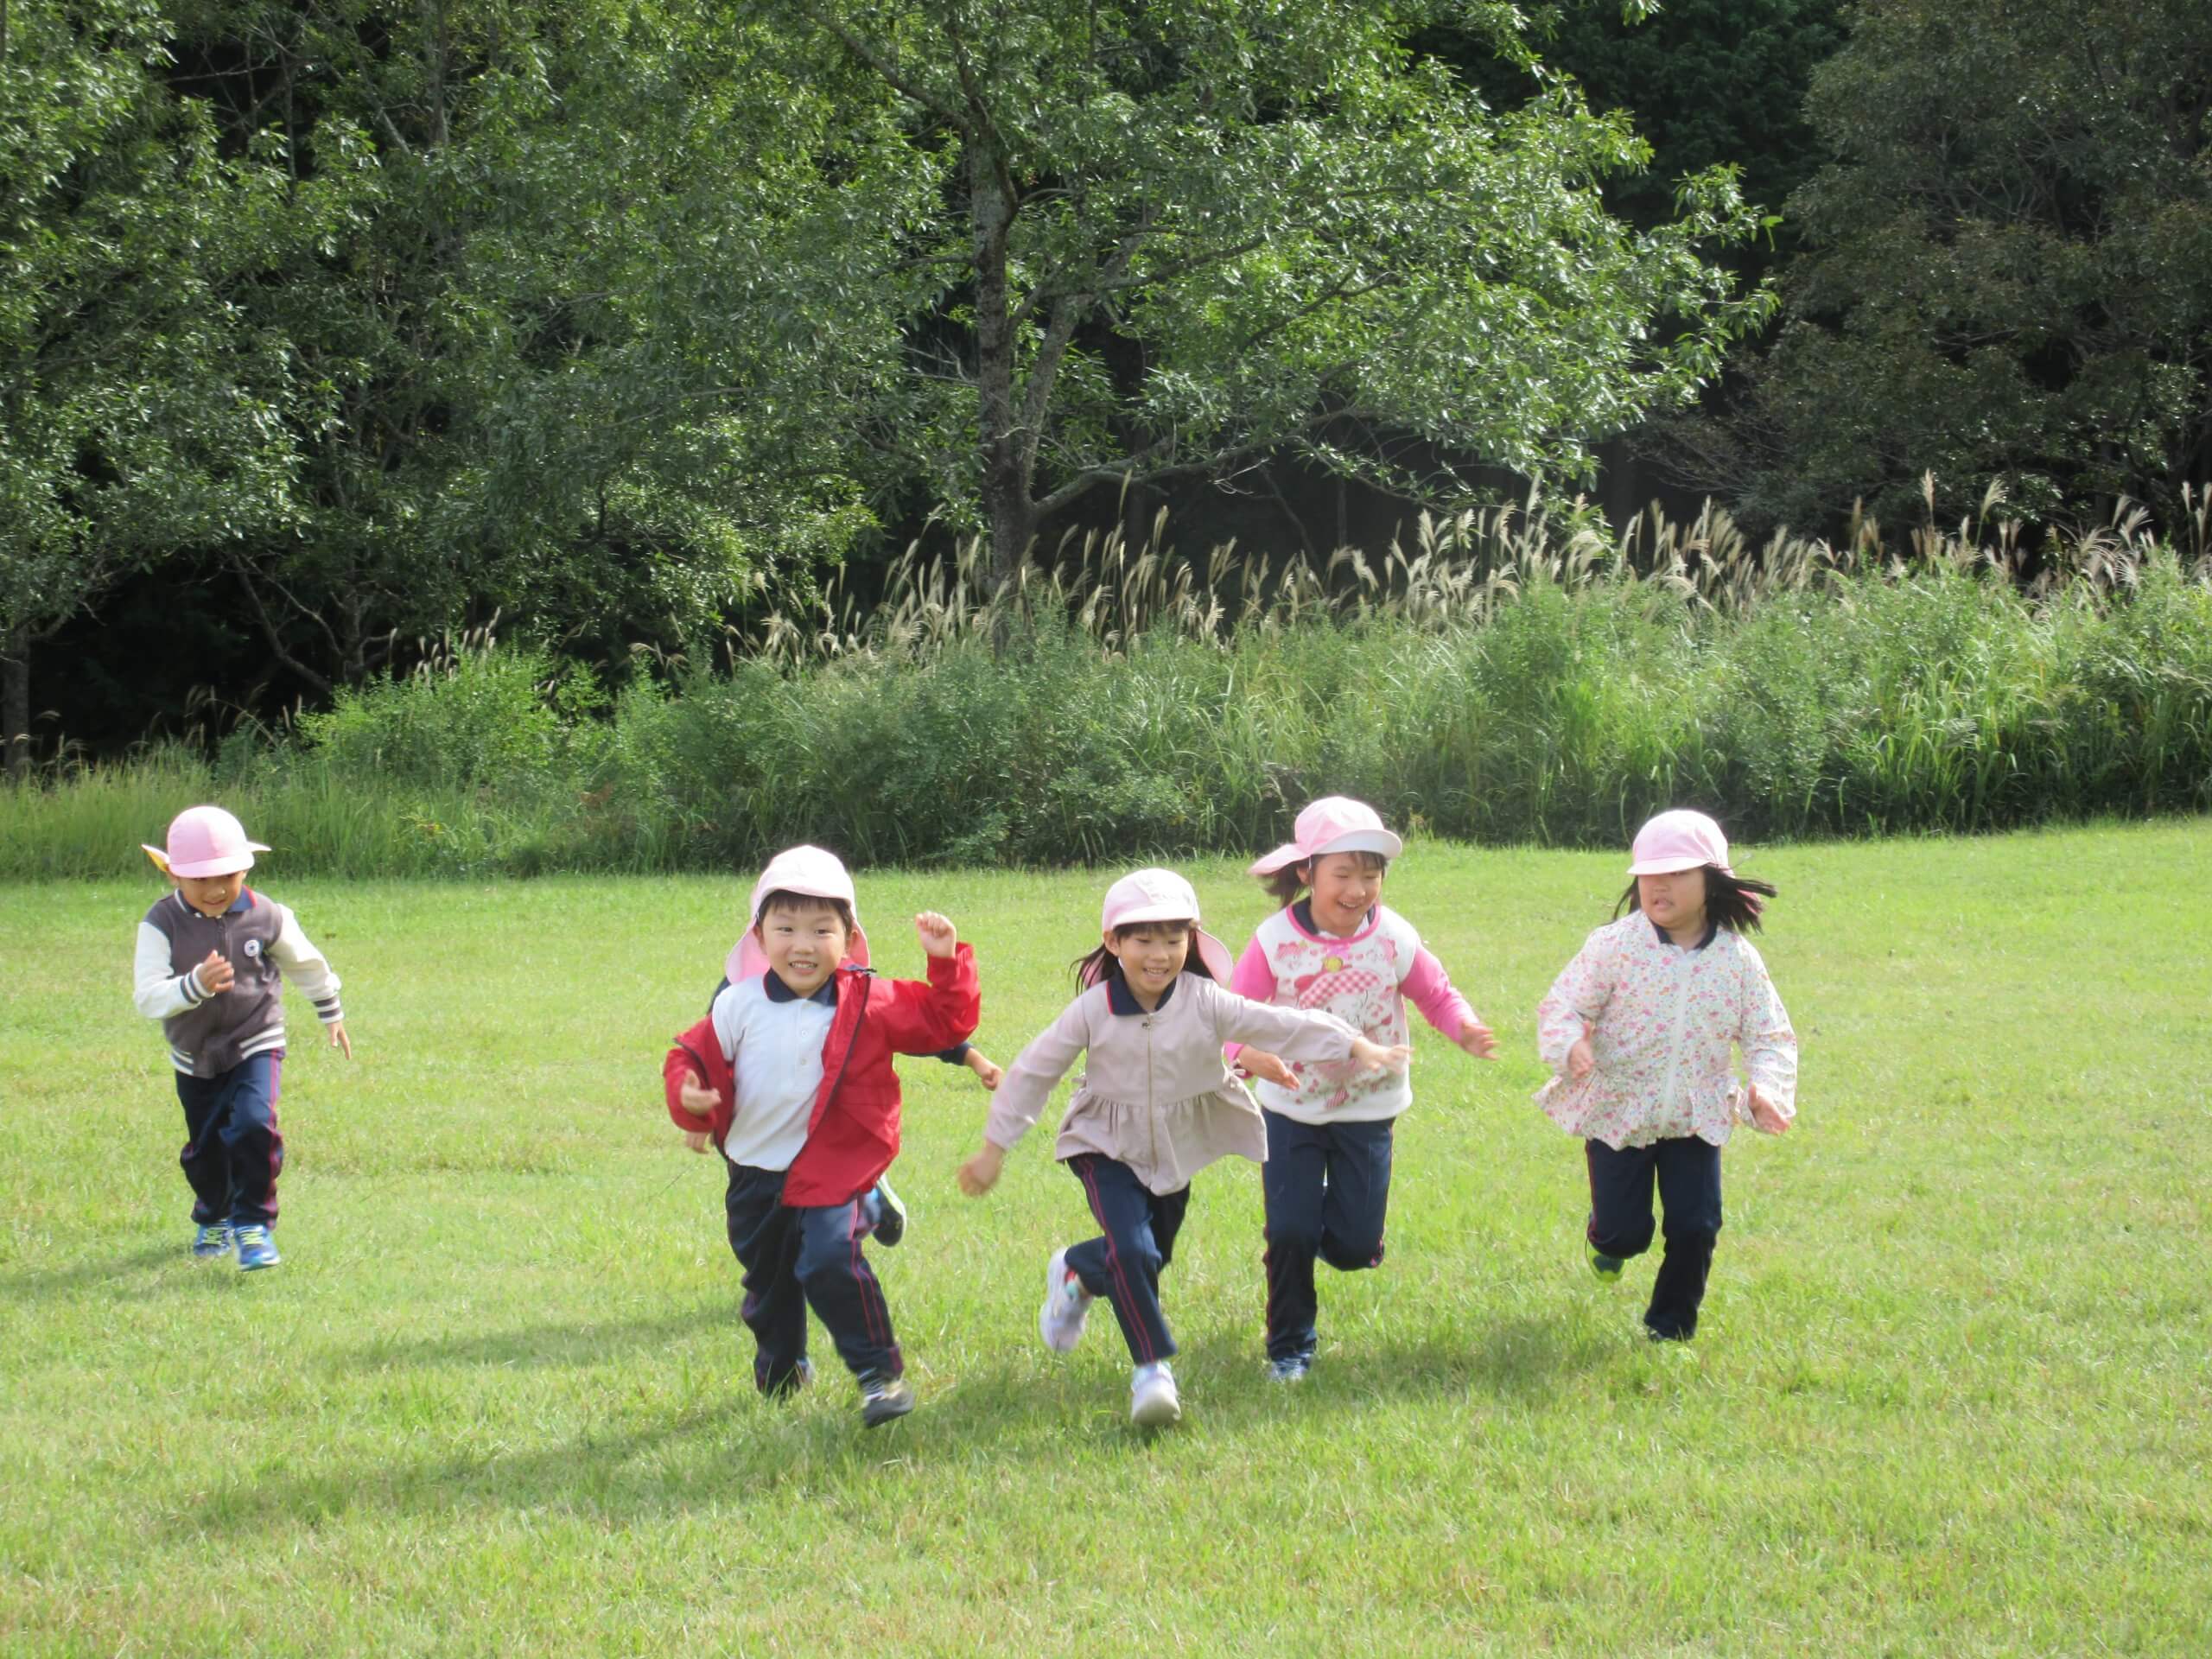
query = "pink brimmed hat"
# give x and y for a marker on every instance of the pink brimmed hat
(1679, 840)
(1158, 895)
(812, 872)
(1335, 823)
(205, 840)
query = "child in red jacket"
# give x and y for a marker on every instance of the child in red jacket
(807, 1044)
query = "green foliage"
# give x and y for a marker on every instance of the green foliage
(140, 410)
(1559, 700)
(2006, 274)
(1169, 241)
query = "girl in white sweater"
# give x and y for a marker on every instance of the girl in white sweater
(1639, 1028)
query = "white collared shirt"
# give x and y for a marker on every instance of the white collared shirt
(772, 1040)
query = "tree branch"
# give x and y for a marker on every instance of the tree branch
(889, 76)
(268, 626)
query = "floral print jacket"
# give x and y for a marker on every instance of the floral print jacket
(1662, 1019)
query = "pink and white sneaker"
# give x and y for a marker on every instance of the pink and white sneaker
(1067, 1305)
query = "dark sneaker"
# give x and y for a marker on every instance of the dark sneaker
(799, 1378)
(212, 1240)
(883, 1398)
(889, 1215)
(1607, 1267)
(256, 1248)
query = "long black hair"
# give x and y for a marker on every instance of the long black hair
(1731, 901)
(1108, 966)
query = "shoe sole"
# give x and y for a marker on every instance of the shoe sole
(261, 1266)
(1157, 1412)
(876, 1417)
(890, 1226)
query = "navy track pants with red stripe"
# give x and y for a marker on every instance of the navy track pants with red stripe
(1137, 1241)
(800, 1257)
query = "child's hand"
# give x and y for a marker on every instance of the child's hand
(981, 1172)
(1766, 1116)
(216, 973)
(1376, 1057)
(988, 1072)
(696, 1099)
(1478, 1040)
(1581, 1059)
(938, 936)
(1269, 1068)
(698, 1140)
(340, 1039)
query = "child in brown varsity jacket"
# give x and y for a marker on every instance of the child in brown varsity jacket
(211, 959)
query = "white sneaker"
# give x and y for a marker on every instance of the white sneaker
(1152, 1403)
(1067, 1305)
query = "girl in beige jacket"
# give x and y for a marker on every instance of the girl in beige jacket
(1156, 1103)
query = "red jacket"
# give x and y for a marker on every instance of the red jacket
(852, 1134)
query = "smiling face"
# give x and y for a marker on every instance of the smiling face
(1151, 955)
(211, 895)
(1346, 888)
(1675, 902)
(804, 940)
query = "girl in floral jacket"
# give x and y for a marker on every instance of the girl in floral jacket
(1639, 1028)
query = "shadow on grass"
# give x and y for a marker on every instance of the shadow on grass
(737, 1449)
(127, 1273)
(588, 1344)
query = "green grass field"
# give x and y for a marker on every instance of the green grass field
(1953, 1393)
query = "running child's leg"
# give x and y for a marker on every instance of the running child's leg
(1689, 1190)
(1620, 1198)
(1294, 1187)
(246, 1124)
(764, 1237)
(1123, 1264)
(1359, 1196)
(842, 1289)
(206, 1166)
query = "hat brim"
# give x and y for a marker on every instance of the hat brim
(1362, 841)
(226, 864)
(746, 960)
(1210, 950)
(1381, 842)
(1674, 866)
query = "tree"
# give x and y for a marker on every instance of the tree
(1168, 240)
(138, 411)
(2009, 266)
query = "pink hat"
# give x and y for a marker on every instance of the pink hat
(205, 840)
(1158, 895)
(813, 873)
(1335, 823)
(1679, 840)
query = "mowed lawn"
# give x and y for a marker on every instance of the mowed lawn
(1953, 1393)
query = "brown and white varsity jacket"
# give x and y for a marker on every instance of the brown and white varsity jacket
(262, 939)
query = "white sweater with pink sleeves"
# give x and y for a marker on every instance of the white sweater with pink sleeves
(1661, 1020)
(1365, 981)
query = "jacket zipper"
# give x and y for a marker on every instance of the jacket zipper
(837, 1081)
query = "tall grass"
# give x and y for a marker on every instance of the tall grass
(1510, 676)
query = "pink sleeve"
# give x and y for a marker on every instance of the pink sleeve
(1430, 989)
(1252, 978)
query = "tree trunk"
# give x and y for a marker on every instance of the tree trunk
(15, 703)
(1011, 513)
